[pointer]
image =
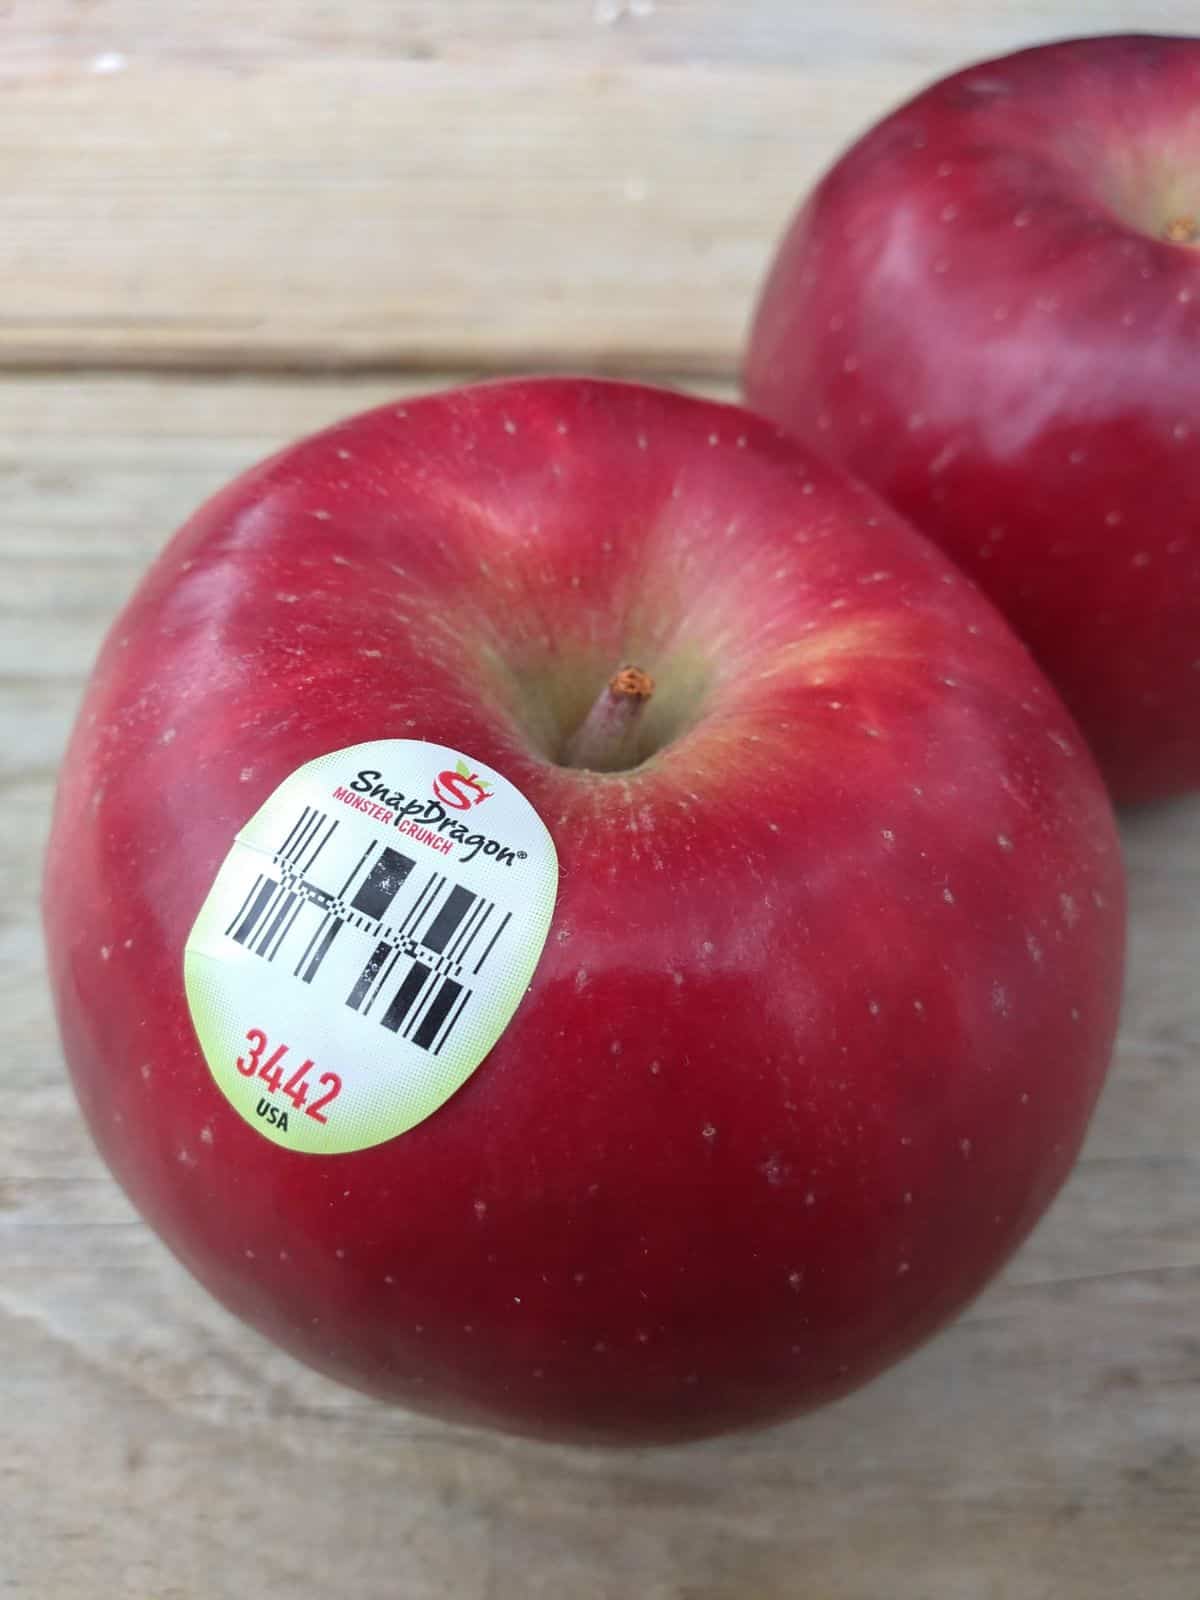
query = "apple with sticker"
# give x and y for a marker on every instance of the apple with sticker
(566, 913)
(989, 310)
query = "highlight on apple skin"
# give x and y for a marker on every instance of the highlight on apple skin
(831, 979)
(989, 309)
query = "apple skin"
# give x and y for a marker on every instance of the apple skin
(833, 977)
(976, 313)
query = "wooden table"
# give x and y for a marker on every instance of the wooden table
(223, 225)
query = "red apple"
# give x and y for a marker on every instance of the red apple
(990, 310)
(832, 974)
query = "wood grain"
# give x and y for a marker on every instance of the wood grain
(551, 183)
(1047, 1447)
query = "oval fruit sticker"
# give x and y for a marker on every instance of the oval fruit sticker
(367, 940)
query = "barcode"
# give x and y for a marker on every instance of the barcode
(428, 938)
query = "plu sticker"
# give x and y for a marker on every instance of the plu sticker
(366, 942)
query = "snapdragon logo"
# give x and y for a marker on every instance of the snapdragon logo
(461, 788)
(429, 821)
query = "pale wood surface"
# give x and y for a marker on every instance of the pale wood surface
(386, 185)
(1046, 1448)
(386, 182)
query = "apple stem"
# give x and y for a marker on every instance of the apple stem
(606, 739)
(1181, 230)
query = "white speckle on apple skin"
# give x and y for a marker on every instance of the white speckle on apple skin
(655, 1068)
(246, 774)
(1000, 999)
(286, 599)
(105, 951)
(901, 1268)
(708, 1131)
(166, 736)
(965, 1146)
(774, 1171)
(581, 979)
(249, 1254)
(1069, 909)
(810, 1198)
(1004, 842)
(948, 896)
(1141, 559)
(206, 1135)
(186, 1158)
(945, 456)
(146, 1070)
(907, 1197)
(480, 1209)
(795, 1281)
